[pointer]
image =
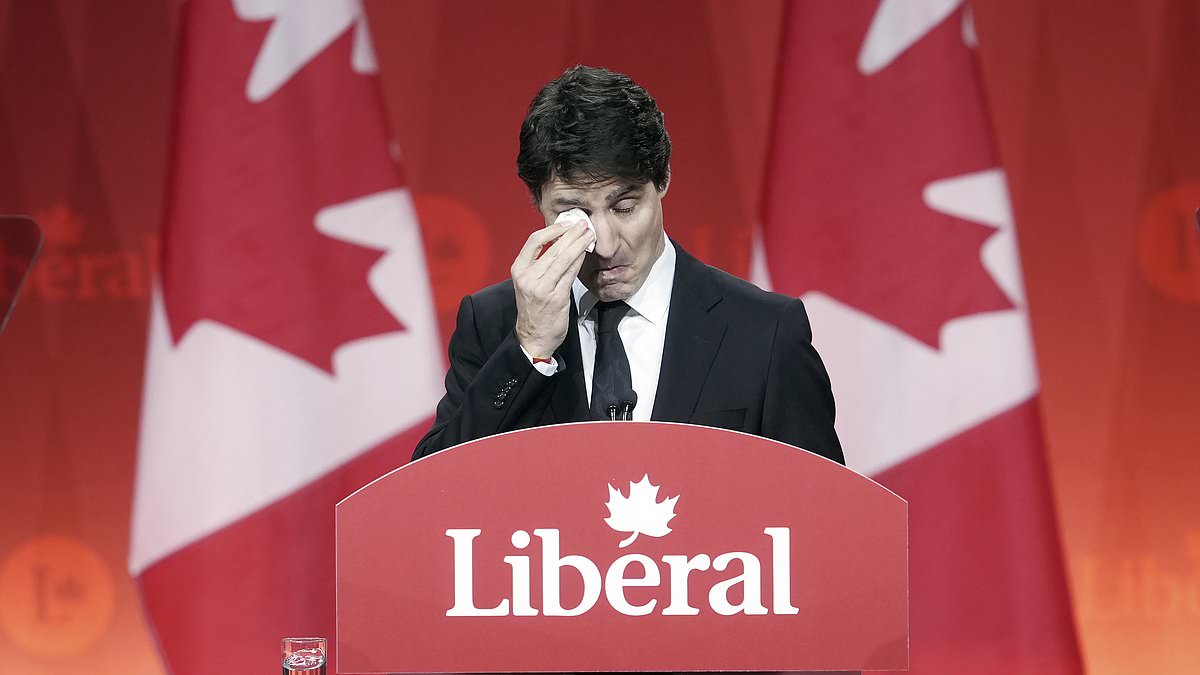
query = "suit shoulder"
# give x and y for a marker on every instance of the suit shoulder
(742, 294)
(495, 294)
(493, 302)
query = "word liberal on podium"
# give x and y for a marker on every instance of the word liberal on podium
(617, 547)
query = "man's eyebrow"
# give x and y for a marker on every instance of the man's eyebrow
(622, 191)
(566, 201)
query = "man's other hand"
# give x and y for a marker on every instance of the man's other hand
(542, 275)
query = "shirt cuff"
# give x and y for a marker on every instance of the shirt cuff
(544, 368)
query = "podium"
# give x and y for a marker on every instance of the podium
(629, 546)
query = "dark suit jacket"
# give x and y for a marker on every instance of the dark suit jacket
(735, 357)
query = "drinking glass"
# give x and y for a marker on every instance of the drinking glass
(303, 656)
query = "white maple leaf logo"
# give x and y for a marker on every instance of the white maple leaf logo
(300, 31)
(640, 512)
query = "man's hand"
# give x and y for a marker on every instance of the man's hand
(542, 275)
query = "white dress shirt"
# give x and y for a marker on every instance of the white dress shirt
(643, 331)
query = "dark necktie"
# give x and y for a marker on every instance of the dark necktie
(611, 378)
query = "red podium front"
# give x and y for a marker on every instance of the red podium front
(606, 546)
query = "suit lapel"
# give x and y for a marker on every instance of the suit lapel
(569, 400)
(693, 338)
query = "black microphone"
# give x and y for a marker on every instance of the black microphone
(628, 400)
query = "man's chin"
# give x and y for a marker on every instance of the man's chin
(611, 284)
(609, 295)
(608, 292)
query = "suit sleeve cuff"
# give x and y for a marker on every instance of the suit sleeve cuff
(546, 369)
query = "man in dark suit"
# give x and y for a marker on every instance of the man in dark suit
(604, 317)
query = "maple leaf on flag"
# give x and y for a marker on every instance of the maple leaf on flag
(875, 132)
(640, 512)
(246, 197)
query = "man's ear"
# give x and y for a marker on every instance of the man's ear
(663, 192)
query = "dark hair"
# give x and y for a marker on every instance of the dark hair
(592, 124)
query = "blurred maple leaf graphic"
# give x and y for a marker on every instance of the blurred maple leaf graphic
(63, 227)
(640, 512)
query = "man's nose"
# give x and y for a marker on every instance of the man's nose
(606, 236)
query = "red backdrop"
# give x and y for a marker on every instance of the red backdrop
(1093, 114)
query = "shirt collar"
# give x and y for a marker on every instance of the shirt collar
(651, 301)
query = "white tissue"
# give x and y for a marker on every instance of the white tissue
(578, 214)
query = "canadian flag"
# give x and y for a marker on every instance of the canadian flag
(293, 353)
(886, 212)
